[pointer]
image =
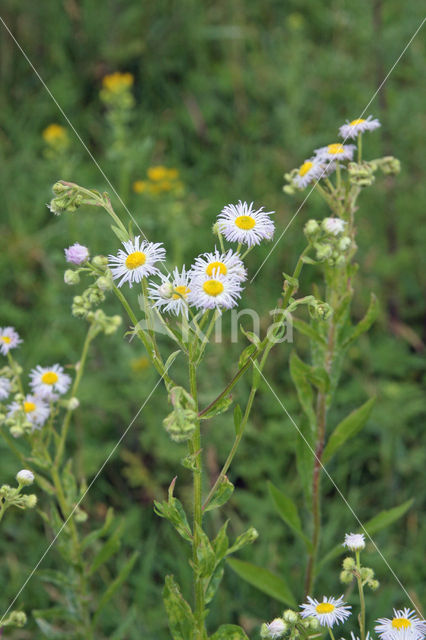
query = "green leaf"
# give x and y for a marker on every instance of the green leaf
(246, 355)
(221, 495)
(49, 631)
(99, 533)
(365, 323)
(180, 616)
(220, 406)
(288, 512)
(121, 235)
(54, 613)
(206, 558)
(172, 357)
(308, 330)
(251, 337)
(386, 517)
(248, 537)
(220, 543)
(348, 428)
(305, 460)
(173, 511)
(214, 583)
(303, 387)
(55, 577)
(264, 580)
(238, 416)
(229, 632)
(109, 548)
(116, 584)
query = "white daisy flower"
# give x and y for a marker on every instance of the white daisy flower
(137, 261)
(35, 408)
(405, 625)
(328, 612)
(4, 388)
(241, 223)
(171, 296)
(336, 151)
(229, 264)
(360, 125)
(214, 293)
(309, 171)
(9, 339)
(335, 226)
(354, 541)
(47, 382)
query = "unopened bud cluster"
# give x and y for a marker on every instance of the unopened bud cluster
(67, 198)
(12, 496)
(15, 619)
(181, 422)
(291, 625)
(350, 572)
(329, 240)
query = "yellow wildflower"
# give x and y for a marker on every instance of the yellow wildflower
(117, 82)
(55, 134)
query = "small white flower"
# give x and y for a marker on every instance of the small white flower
(241, 223)
(137, 261)
(4, 388)
(227, 264)
(171, 296)
(46, 382)
(360, 125)
(25, 477)
(35, 408)
(77, 254)
(354, 541)
(276, 628)
(328, 612)
(405, 625)
(309, 171)
(335, 226)
(336, 151)
(214, 293)
(9, 339)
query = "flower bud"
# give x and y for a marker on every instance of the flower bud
(366, 573)
(166, 290)
(16, 431)
(30, 501)
(311, 228)
(59, 187)
(25, 477)
(71, 277)
(349, 563)
(104, 283)
(333, 226)
(100, 261)
(274, 629)
(323, 250)
(73, 403)
(344, 243)
(346, 577)
(16, 619)
(290, 616)
(373, 584)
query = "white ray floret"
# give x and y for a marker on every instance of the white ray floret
(335, 226)
(405, 625)
(311, 170)
(9, 339)
(360, 125)
(36, 410)
(243, 224)
(4, 388)
(335, 151)
(48, 382)
(354, 541)
(171, 294)
(220, 292)
(136, 261)
(229, 264)
(276, 628)
(328, 612)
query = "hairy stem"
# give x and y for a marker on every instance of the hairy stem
(361, 617)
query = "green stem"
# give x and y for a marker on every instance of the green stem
(331, 633)
(361, 617)
(359, 156)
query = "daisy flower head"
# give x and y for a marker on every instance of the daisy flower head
(334, 226)
(136, 261)
(4, 388)
(328, 612)
(171, 295)
(9, 339)
(354, 541)
(47, 382)
(243, 224)
(336, 151)
(36, 410)
(311, 170)
(227, 264)
(76, 254)
(218, 292)
(360, 125)
(276, 628)
(405, 625)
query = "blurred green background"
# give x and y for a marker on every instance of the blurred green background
(232, 94)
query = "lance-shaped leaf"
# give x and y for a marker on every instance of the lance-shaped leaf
(173, 511)
(365, 323)
(348, 428)
(180, 616)
(248, 537)
(115, 584)
(221, 495)
(308, 330)
(229, 632)
(303, 387)
(218, 407)
(264, 580)
(108, 549)
(288, 512)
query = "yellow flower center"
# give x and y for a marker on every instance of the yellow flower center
(357, 121)
(325, 607)
(181, 292)
(213, 287)
(50, 377)
(135, 260)
(117, 82)
(6, 339)
(401, 623)
(245, 222)
(29, 406)
(306, 166)
(335, 148)
(216, 266)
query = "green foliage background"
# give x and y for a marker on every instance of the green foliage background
(233, 94)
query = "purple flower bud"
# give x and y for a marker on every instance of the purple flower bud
(77, 254)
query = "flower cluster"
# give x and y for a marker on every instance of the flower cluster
(116, 92)
(329, 240)
(159, 180)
